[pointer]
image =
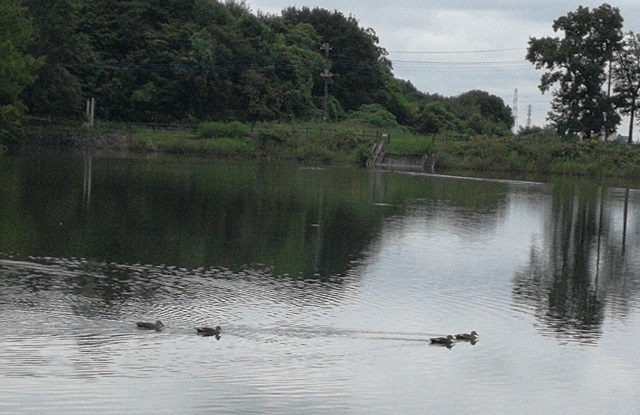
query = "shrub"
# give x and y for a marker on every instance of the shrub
(314, 152)
(233, 129)
(374, 115)
(230, 147)
(361, 154)
(410, 145)
(340, 140)
(269, 137)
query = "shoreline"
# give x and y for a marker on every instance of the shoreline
(438, 154)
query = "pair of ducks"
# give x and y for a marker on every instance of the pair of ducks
(204, 331)
(450, 340)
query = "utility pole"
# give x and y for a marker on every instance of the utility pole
(91, 110)
(608, 98)
(515, 111)
(326, 75)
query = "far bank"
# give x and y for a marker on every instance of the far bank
(359, 144)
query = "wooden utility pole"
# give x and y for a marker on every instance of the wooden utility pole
(91, 110)
(514, 110)
(326, 75)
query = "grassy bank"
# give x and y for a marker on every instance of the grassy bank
(308, 142)
(351, 142)
(539, 154)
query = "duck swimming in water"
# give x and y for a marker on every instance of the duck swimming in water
(151, 326)
(467, 336)
(447, 341)
(208, 331)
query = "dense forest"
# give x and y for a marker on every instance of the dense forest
(203, 60)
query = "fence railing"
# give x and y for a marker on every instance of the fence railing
(302, 131)
(193, 128)
(322, 131)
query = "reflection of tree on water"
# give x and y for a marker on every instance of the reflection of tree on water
(574, 269)
(88, 171)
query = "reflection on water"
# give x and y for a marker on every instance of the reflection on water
(327, 283)
(192, 213)
(580, 265)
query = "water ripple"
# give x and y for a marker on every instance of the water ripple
(69, 331)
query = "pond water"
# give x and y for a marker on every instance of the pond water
(327, 283)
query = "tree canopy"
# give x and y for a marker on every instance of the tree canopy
(577, 62)
(17, 67)
(357, 59)
(207, 60)
(627, 78)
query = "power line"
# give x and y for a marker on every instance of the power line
(454, 51)
(461, 62)
(229, 67)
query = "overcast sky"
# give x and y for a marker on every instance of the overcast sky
(449, 47)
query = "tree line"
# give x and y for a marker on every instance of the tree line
(205, 60)
(193, 61)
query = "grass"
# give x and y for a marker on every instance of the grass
(184, 143)
(539, 155)
(320, 143)
(410, 144)
(351, 142)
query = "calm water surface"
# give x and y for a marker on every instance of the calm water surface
(327, 283)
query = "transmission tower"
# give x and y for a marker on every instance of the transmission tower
(515, 110)
(529, 117)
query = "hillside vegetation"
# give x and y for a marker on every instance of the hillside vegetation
(194, 61)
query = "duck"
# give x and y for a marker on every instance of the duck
(467, 336)
(208, 331)
(152, 326)
(448, 341)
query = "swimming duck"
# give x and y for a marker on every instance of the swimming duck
(443, 340)
(153, 326)
(208, 331)
(467, 336)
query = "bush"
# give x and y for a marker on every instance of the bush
(233, 129)
(340, 140)
(268, 137)
(361, 155)
(230, 147)
(374, 115)
(314, 152)
(410, 145)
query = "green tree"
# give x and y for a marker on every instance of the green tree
(374, 115)
(626, 76)
(66, 52)
(209, 60)
(488, 106)
(139, 45)
(435, 118)
(296, 61)
(577, 62)
(359, 63)
(17, 67)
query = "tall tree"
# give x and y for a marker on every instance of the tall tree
(66, 52)
(488, 106)
(626, 75)
(360, 64)
(577, 62)
(17, 67)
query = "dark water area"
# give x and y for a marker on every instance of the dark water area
(327, 283)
